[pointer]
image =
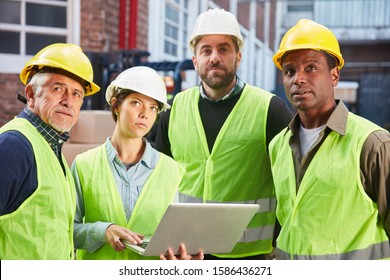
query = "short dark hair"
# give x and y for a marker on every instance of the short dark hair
(331, 60)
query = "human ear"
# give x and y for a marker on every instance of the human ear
(30, 96)
(238, 58)
(335, 72)
(195, 63)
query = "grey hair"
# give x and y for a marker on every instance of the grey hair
(38, 81)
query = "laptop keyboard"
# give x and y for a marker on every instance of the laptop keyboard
(143, 244)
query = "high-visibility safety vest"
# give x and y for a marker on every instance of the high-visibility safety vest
(238, 168)
(331, 216)
(42, 226)
(103, 201)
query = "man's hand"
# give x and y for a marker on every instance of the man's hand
(115, 233)
(182, 254)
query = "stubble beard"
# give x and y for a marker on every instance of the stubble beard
(61, 126)
(218, 81)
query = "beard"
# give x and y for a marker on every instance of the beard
(62, 123)
(60, 126)
(217, 81)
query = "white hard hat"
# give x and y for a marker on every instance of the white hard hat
(216, 21)
(141, 79)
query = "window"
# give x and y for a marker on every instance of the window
(298, 9)
(28, 25)
(169, 30)
(175, 27)
(300, 6)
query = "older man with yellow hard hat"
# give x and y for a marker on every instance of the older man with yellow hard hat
(37, 202)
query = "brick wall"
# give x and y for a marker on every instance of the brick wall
(99, 25)
(9, 105)
(142, 25)
(260, 21)
(98, 31)
(223, 4)
(243, 14)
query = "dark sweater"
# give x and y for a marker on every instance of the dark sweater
(214, 114)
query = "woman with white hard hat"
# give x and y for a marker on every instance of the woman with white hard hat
(124, 186)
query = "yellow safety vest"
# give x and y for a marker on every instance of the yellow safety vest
(238, 168)
(42, 226)
(103, 202)
(331, 216)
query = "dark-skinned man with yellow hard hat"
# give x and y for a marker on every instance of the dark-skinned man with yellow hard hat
(331, 168)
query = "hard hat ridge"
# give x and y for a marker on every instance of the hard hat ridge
(213, 22)
(141, 79)
(62, 58)
(308, 34)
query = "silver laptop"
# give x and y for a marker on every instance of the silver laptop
(213, 227)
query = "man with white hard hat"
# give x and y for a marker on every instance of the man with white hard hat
(219, 131)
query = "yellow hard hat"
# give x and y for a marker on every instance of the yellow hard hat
(67, 57)
(216, 21)
(308, 34)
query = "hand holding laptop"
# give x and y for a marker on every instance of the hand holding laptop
(169, 254)
(208, 228)
(115, 234)
(182, 254)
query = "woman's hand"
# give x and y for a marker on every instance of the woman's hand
(115, 233)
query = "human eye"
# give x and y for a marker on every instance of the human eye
(58, 88)
(205, 51)
(154, 108)
(311, 68)
(135, 103)
(288, 71)
(223, 50)
(78, 94)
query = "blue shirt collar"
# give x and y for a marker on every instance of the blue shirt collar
(148, 159)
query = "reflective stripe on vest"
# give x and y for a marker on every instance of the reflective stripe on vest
(331, 216)
(373, 252)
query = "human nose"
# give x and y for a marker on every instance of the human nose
(67, 98)
(299, 77)
(143, 114)
(214, 57)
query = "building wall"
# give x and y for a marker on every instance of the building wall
(142, 28)
(92, 25)
(99, 34)
(9, 105)
(363, 30)
(243, 11)
(223, 4)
